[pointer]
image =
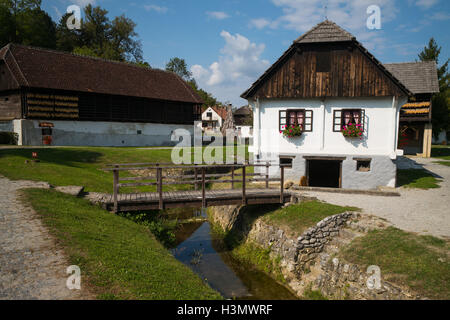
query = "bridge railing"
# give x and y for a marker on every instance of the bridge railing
(197, 176)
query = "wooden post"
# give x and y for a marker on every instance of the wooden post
(282, 185)
(232, 178)
(267, 175)
(160, 188)
(203, 189)
(116, 190)
(244, 197)
(196, 177)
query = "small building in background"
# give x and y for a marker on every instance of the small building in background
(213, 119)
(416, 130)
(243, 121)
(49, 97)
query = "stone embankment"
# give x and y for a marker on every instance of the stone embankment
(308, 261)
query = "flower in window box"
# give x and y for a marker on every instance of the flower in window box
(352, 130)
(292, 131)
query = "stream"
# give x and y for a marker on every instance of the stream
(203, 251)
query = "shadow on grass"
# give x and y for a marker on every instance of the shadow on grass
(63, 156)
(440, 152)
(417, 178)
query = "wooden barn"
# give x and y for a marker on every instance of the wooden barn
(56, 98)
(416, 130)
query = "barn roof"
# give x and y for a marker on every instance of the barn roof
(326, 31)
(418, 77)
(43, 68)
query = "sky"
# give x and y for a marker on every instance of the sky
(229, 44)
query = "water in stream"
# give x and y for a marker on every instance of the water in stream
(202, 251)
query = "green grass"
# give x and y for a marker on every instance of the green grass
(119, 258)
(298, 218)
(419, 179)
(444, 163)
(420, 262)
(78, 166)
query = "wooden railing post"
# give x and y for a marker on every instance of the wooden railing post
(196, 177)
(267, 175)
(282, 185)
(160, 188)
(244, 197)
(203, 188)
(232, 178)
(116, 189)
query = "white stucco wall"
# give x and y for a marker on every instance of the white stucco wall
(381, 123)
(215, 116)
(87, 133)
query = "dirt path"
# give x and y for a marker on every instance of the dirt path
(421, 211)
(32, 266)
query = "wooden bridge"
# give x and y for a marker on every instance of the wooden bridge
(200, 178)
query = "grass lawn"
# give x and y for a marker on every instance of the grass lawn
(78, 166)
(298, 218)
(421, 262)
(119, 258)
(420, 179)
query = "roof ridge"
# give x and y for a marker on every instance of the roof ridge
(325, 23)
(85, 57)
(411, 62)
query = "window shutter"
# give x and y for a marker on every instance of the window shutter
(308, 121)
(363, 119)
(282, 120)
(337, 117)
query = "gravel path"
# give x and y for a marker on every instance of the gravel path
(421, 211)
(32, 266)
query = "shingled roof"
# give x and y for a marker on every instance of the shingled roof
(326, 31)
(44, 68)
(418, 77)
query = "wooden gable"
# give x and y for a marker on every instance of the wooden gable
(343, 69)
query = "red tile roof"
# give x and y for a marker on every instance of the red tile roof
(44, 68)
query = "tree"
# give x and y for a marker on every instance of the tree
(179, 67)
(100, 37)
(23, 22)
(441, 107)
(208, 98)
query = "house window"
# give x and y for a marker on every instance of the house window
(296, 117)
(209, 115)
(347, 116)
(323, 61)
(286, 162)
(363, 165)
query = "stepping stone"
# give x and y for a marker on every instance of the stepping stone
(72, 190)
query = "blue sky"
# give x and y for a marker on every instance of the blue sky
(229, 44)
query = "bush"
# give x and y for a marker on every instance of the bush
(9, 138)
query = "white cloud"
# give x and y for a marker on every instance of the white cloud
(426, 3)
(84, 3)
(219, 15)
(154, 7)
(238, 65)
(441, 16)
(259, 23)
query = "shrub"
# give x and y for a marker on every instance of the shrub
(8, 138)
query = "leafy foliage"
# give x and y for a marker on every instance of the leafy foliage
(352, 130)
(441, 106)
(292, 131)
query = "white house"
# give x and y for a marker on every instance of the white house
(243, 122)
(213, 119)
(324, 82)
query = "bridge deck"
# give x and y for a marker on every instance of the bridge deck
(193, 199)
